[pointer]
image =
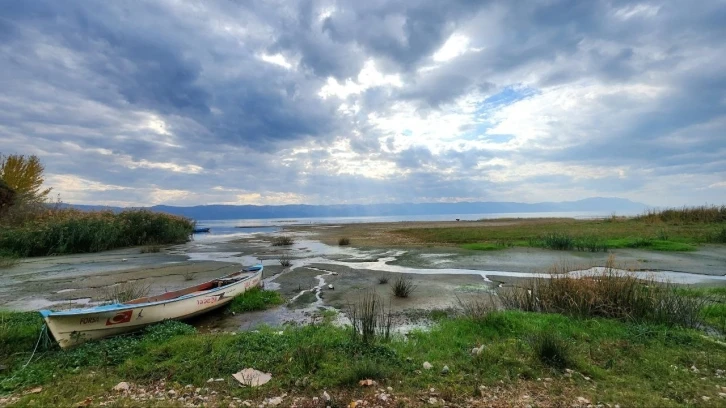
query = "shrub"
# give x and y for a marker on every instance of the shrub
(403, 287)
(285, 261)
(344, 241)
(551, 349)
(283, 240)
(382, 280)
(720, 237)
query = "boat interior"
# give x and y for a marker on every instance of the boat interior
(213, 284)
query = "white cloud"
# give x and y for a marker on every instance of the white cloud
(277, 59)
(456, 45)
(369, 77)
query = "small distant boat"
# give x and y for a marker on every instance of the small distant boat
(200, 230)
(76, 326)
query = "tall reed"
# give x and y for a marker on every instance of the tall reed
(68, 231)
(369, 319)
(699, 214)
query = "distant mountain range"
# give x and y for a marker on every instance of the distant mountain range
(225, 212)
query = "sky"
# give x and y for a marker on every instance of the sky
(322, 102)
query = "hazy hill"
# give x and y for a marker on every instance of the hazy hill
(219, 212)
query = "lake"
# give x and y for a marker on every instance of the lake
(251, 226)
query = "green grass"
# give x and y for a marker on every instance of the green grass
(570, 234)
(628, 364)
(255, 299)
(70, 231)
(483, 246)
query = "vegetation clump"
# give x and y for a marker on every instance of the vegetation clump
(285, 261)
(383, 279)
(403, 287)
(369, 319)
(125, 291)
(67, 231)
(31, 226)
(608, 293)
(283, 240)
(698, 214)
(551, 349)
(255, 299)
(344, 241)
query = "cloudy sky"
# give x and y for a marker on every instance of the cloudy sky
(281, 101)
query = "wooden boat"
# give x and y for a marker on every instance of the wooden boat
(76, 326)
(200, 230)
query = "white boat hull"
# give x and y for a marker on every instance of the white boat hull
(71, 328)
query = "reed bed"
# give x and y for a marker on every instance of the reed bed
(71, 231)
(700, 214)
(609, 294)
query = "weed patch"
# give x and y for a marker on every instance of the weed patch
(344, 241)
(255, 299)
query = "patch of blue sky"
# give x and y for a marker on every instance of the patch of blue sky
(507, 96)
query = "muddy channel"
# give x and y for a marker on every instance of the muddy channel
(325, 277)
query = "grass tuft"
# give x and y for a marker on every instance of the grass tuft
(255, 299)
(344, 241)
(382, 280)
(369, 319)
(283, 240)
(403, 287)
(551, 349)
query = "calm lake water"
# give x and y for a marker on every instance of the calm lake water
(251, 226)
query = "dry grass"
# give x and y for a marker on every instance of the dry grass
(283, 240)
(285, 261)
(123, 292)
(701, 214)
(609, 294)
(151, 249)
